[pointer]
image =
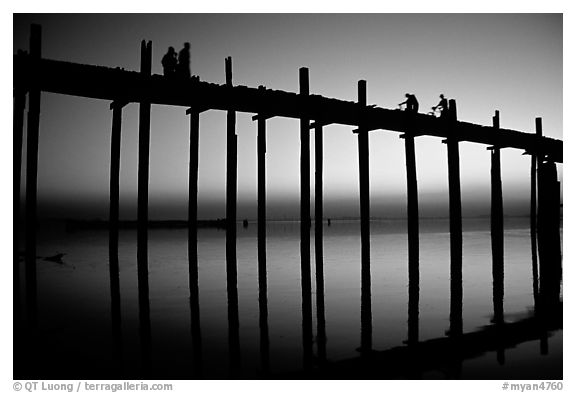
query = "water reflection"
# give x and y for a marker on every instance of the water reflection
(423, 354)
(233, 315)
(307, 335)
(194, 300)
(413, 300)
(365, 300)
(320, 312)
(144, 298)
(115, 297)
(263, 299)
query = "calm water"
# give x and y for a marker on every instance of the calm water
(74, 299)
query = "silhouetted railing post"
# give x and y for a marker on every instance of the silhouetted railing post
(194, 114)
(533, 214)
(413, 238)
(455, 224)
(262, 270)
(32, 177)
(18, 131)
(364, 176)
(318, 239)
(231, 267)
(115, 146)
(305, 223)
(497, 229)
(143, 178)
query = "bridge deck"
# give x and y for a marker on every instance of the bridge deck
(130, 86)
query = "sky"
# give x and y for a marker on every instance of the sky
(506, 62)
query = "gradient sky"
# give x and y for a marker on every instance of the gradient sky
(509, 62)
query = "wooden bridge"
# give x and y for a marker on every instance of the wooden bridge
(34, 74)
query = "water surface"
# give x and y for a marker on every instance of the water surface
(75, 306)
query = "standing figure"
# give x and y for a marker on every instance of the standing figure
(411, 103)
(184, 61)
(169, 62)
(443, 106)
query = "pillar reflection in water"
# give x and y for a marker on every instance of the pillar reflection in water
(262, 270)
(319, 245)
(113, 231)
(305, 271)
(413, 240)
(193, 241)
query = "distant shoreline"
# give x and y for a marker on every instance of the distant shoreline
(74, 224)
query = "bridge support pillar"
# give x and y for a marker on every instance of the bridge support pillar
(193, 203)
(413, 239)
(497, 229)
(32, 178)
(143, 178)
(497, 236)
(305, 223)
(549, 242)
(114, 220)
(18, 132)
(261, 151)
(318, 239)
(455, 227)
(534, 214)
(231, 267)
(194, 114)
(364, 176)
(262, 269)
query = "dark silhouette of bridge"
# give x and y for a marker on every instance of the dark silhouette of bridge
(34, 74)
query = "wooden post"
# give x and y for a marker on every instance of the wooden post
(455, 226)
(364, 176)
(32, 176)
(231, 268)
(116, 108)
(318, 240)
(193, 202)
(549, 243)
(497, 229)
(413, 239)
(305, 222)
(533, 215)
(231, 176)
(143, 176)
(193, 239)
(261, 151)
(497, 237)
(262, 270)
(18, 131)
(412, 197)
(261, 142)
(536, 204)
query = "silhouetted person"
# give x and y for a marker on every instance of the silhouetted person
(442, 106)
(169, 62)
(411, 103)
(184, 61)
